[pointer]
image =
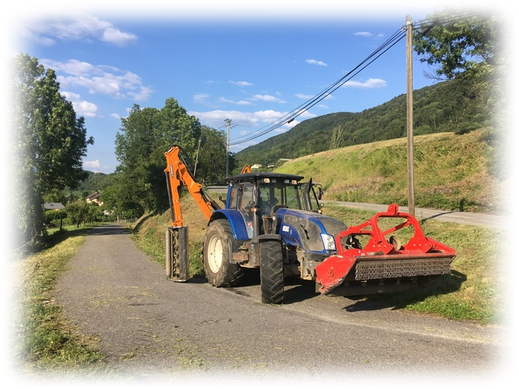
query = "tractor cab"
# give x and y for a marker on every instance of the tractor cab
(258, 197)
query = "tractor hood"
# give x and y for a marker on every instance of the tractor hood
(309, 230)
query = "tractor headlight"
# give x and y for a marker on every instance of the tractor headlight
(328, 242)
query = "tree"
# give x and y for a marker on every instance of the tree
(146, 134)
(49, 143)
(116, 200)
(467, 45)
(458, 42)
(212, 159)
(78, 212)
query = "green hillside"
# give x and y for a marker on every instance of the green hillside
(451, 171)
(459, 106)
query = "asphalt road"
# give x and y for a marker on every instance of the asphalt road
(152, 329)
(475, 219)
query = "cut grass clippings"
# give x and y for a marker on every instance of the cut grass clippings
(45, 341)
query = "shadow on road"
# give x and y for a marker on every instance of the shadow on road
(447, 283)
(297, 290)
(111, 229)
(437, 215)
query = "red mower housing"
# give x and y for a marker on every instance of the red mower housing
(383, 260)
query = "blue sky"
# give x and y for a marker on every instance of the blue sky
(250, 65)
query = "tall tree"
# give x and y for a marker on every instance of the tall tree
(146, 134)
(49, 143)
(457, 42)
(212, 159)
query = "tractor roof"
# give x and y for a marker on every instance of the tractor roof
(260, 175)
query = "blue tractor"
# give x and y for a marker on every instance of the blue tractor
(274, 222)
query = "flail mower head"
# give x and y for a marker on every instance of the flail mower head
(383, 259)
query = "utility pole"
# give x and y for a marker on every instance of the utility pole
(410, 140)
(197, 152)
(228, 123)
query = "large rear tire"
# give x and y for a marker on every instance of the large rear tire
(271, 272)
(218, 247)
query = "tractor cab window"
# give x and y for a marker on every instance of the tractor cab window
(241, 196)
(276, 193)
(247, 199)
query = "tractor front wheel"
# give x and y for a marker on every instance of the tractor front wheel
(271, 272)
(218, 247)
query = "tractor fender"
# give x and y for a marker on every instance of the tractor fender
(236, 221)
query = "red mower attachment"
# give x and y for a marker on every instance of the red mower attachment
(383, 261)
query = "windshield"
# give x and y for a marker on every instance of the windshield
(274, 195)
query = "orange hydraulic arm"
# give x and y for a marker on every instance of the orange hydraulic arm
(178, 174)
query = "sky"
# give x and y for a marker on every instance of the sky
(248, 67)
(248, 63)
(245, 61)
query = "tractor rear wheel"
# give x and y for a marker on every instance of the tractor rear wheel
(271, 272)
(218, 247)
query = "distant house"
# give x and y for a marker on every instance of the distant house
(94, 198)
(53, 206)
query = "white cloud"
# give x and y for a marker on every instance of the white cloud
(243, 119)
(80, 27)
(316, 62)
(239, 102)
(216, 118)
(245, 123)
(368, 34)
(81, 107)
(241, 83)
(99, 79)
(91, 164)
(369, 84)
(363, 33)
(142, 94)
(268, 98)
(200, 97)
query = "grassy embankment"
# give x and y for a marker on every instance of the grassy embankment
(451, 172)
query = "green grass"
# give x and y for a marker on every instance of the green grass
(452, 172)
(150, 235)
(46, 342)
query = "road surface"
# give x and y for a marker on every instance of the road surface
(153, 328)
(475, 219)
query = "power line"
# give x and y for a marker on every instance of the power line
(290, 116)
(287, 118)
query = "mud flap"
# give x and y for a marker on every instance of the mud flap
(177, 254)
